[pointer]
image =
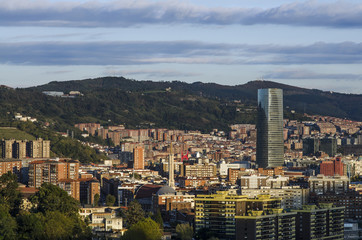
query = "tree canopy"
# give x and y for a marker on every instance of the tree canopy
(184, 231)
(157, 217)
(9, 194)
(110, 200)
(54, 214)
(7, 224)
(52, 198)
(134, 213)
(96, 199)
(145, 229)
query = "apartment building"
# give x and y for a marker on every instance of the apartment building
(12, 166)
(198, 170)
(352, 201)
(292, 197)
(320, 222)
(20, 149)
(217, 212)
(138, 158)
(321, 184)
(272, 225)
(52, 171)
(255, 181)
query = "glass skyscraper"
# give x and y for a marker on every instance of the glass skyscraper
(270, 144)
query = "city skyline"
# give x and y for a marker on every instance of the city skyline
(311, 44)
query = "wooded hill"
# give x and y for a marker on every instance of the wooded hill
(312, 101)
(201, 106)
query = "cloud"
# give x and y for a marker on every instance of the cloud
(58, 72)
(149, 73)
(179, 52)
(110, 53)
(125, 13)
(310, 75)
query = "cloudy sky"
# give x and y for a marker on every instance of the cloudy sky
(312, 44)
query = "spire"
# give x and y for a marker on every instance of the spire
(171, 169)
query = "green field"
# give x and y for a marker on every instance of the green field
(13, 133)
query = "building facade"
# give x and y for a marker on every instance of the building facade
(320, 222)
(261, 225)
(25, 149)
(292, 197)
(331, 168)
(218, 212)
(51, 171)
(13, 166)
(270, 144)
(352, 201)
(138, 158)
(198, 170)
(321, 184)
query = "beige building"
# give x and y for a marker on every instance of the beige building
(255, 181)
(25, 149)
(13, 148)
(321, 184)
(198, 170)
(291, 197)
(7, 148)
(103, 219)
(38, 148)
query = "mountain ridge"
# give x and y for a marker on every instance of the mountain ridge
(311, 101)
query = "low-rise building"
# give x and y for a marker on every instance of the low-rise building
(103, 219)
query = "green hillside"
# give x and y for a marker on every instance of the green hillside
(311, 101)
(142, 104)
(175, 109)
(14, 133)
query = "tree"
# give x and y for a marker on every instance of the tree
(158, 218)
(9, 194)
(58, 226)
(31, 225)
(184, 231)
(96, 200)
(134, 213)
(110, 200)
(52, 198)
(56, 214)
(145, 229)
(7, 224)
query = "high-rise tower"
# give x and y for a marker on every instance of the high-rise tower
(138, 158)
(270, 145)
